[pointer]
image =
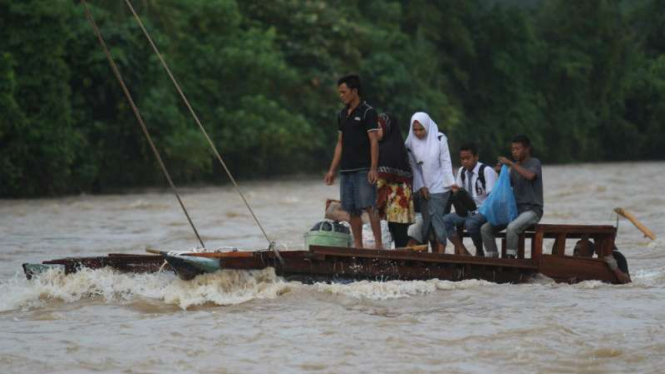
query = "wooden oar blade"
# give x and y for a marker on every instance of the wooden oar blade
(640, 226)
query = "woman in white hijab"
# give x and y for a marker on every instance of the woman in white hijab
(432, 174)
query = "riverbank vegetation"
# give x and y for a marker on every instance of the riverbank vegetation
(584, 79)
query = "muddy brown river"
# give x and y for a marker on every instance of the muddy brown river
(254, 322)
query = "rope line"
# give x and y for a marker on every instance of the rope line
(114, 67)
(198, 122)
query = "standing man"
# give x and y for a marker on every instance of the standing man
(526, 177)
(478, 180)
(358, 151)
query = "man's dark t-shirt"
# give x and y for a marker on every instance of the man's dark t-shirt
(356, 148)
(528, 194)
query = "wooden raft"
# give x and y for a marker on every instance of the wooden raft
(332, 264)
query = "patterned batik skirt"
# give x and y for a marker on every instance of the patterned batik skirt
(395, 201)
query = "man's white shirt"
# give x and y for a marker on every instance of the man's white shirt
(478, 193)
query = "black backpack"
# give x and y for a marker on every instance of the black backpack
(481, 176)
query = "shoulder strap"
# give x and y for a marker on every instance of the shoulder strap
(481, 175)
(439, 137)
(367, 109)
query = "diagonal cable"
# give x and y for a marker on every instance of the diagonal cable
(138, 116)
(196, 118)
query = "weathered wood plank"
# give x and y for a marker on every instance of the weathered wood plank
(424, 257)
(575, 269)
(576, 229)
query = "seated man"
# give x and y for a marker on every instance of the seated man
(617, 262)
(478, 180)
(526, 178)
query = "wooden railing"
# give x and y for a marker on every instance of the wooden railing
(602, 235)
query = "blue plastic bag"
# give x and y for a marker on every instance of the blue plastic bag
(500, 207)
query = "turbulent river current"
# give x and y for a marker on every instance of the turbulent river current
(255, 322)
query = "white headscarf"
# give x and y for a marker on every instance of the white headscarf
(430, 157)
(427, 148)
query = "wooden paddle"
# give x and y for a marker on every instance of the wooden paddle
(645, 230)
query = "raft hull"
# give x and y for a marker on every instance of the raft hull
(335, 264)
(127, 263)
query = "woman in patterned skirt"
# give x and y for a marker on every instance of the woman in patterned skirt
(394, 200)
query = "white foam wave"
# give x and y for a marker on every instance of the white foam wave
(650, 277)
(589, 285)
(229, 287)
(396, 289)
(656, 244)
(144, 205)
(540, 278)
(222, 288)
(226, 287)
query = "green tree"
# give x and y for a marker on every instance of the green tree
(37, 131)
(582, 79)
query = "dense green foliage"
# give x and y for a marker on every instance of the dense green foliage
(584, 79)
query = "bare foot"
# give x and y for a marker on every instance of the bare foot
(462, 251)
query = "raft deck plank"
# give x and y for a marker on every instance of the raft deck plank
(424, 257)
